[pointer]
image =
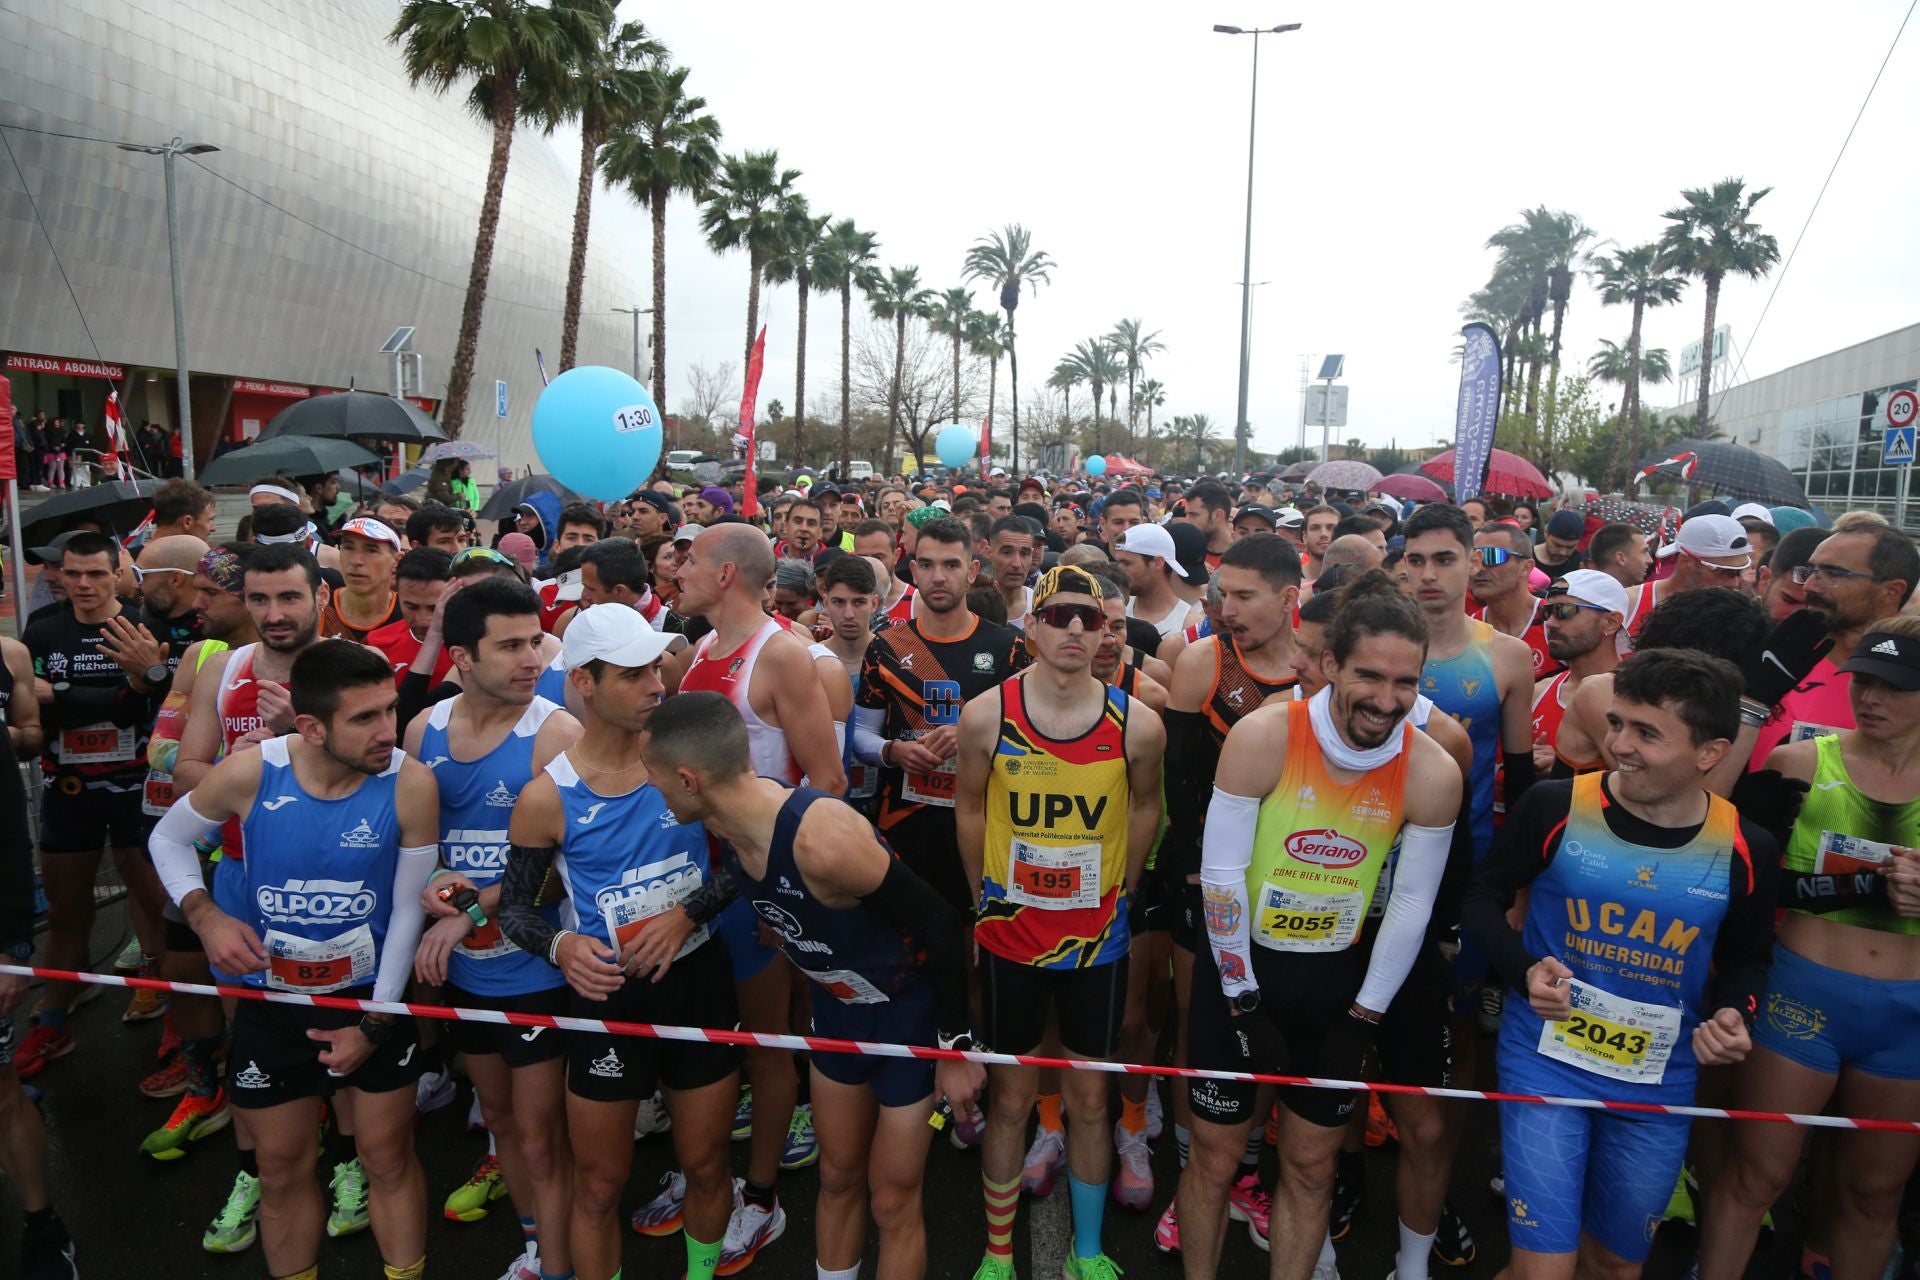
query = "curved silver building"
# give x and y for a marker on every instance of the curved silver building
(340, 205)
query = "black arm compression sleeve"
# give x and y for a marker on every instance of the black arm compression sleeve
(715, 894)
(1189, 782)
(910, 904)
(520, 888)
(1518, 766)
(1811, 891)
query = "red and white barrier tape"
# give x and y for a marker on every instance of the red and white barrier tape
(823, 1044)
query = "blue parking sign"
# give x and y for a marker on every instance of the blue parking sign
(500, 399)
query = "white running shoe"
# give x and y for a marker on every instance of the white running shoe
(433, 1091)
(750, 1230)
(1045, 1159)
(651, 1118)
(1156, 1115)
(526, 1266)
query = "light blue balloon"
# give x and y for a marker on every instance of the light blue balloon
(597, 431)
(956, 445)
(1096, 465)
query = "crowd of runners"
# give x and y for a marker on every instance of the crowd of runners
(1235, 778)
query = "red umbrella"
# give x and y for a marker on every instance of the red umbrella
(1507, 473)
(1413, 488)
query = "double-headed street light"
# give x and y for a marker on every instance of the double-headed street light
(636, 311)
(1246, 261)
(167, 151)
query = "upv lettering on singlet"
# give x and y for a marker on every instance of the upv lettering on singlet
(1036, 809)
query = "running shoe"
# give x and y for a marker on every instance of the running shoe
(1156, 1115)
(1349, 1194)
(349, 1214)
(168, 1080)
(526, 1265)
(651, 1117)
(233, 1228)
(1330, 1271)
(1453, 1244)
(42, 1045)
(433, 1091)
(743, 1115)
(46, 1253)
(994, 1267)
(1813, 1266)
(1166, 1232)
(1098, 1267)
(969, 1131)
(802, 1149)
(468, 1202)
(131, 959)
(1045, 1159)
(194, 1118)
(1133, 1179)
(1250, 1202)
(1380, 1127)
(147, 1003)
(1492, 998)
(661, 1215)
(1680, 1204)
(750, 1230)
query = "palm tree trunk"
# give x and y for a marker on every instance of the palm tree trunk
(1013, 385)
(466, 348)
(1133, 410)
(1706, 356)
(1113, 410)
(658, 202)
(577, 261)
(1626, 440)
(893, 392)
(956, 383)
(753, 309)
(1533, 392)
(805, 284)
(993, 377)
(846, 376)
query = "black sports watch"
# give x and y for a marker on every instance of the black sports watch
(467, 899)
(156, 675)
(1247, 1001)
(377, 1031)
(21, 951)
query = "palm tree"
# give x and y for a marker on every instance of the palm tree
(505, 49)
(606, 92)
(1134, 347)
(750, 207)
(1152, 396)
(670, 148)
(1714, 235)
(951, 313)
(984, 336)
(1633, 277)
(844, 263)
(897, 296)
(794, 260)
(1007, 260)
(1615, 362)
(1198, 429)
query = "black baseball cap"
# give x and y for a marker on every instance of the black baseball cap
(1263, 514)
(1566, 524)
(1886, 656)
(1190, 547)
(658, 501)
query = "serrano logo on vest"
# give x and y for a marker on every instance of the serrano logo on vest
(1326, 848)
(361, 837)
(500, 797)
(317, 901)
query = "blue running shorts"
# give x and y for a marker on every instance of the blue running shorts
(1824, 1019)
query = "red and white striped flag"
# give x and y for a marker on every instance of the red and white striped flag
(116, 438)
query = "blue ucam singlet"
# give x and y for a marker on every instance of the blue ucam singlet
(552, 684)
(853, 953)
(623, 859)
(1463, 686)
(319, 874)
(476, 799)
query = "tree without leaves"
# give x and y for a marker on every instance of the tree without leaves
(1713, 236)
(912, 385)
(896, 295)
(672, 148)
(750, 207)
(504, 48)
(845, 263)
(1007, 260)
(709, 390)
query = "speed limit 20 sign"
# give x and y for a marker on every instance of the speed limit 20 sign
(1902, 408)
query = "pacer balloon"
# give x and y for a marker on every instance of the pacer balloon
(597, 431)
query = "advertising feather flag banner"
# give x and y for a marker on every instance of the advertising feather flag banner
(749, 499)
(1478, 410)
(986, 446)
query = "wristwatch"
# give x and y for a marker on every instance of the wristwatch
(1247, 1001)
(156, 675)
(962, 1043)
(377, 1031)
(465, 899)
(21, 951)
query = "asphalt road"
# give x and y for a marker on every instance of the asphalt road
(134, 1217)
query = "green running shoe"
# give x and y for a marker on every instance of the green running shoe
(994, 1268)
(349, 1186)
(468, 1202)
(1098, 1267)
(193, 1118)
(743, 1115)
(234, 1227)
(803, 1148)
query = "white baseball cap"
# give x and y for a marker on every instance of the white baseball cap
(1590, 586)
(1755, 510)
(571, 584)
(687, 533)
(1289, 518)
(619, 637)
(1711, 537)
(372, 530)
(1150, 540)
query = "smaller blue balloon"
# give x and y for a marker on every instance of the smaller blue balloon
(955, 445)
(597, 431)
(1096, 465)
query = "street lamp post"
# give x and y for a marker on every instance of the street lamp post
(636, 312)
(167, 152)
(1246, 259)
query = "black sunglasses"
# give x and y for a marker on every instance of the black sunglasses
(1091, 617)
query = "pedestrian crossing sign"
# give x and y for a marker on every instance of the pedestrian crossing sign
(1896, 447)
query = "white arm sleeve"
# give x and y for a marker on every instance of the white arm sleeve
(171, 847)
(1403, 928)
(868, 726)
(1226, 852)
(405, 921)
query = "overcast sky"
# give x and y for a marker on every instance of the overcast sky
(1393, 139)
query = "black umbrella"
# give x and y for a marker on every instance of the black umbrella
(285, 456)
(407, 481)
(1724, 467)
(514, 492)
(120, 505)
(354, 413)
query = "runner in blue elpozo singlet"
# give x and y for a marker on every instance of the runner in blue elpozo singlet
(484, 745)
(592, 822)
(341, 835)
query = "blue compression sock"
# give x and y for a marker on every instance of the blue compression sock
(1089, 1212)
